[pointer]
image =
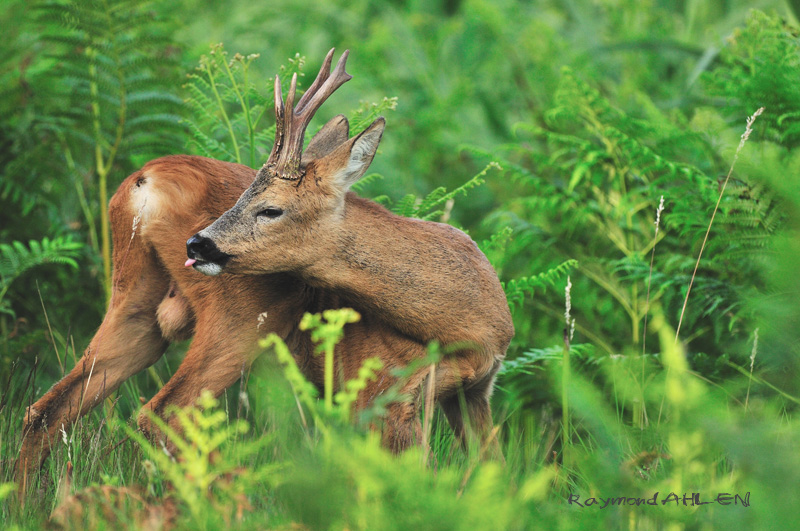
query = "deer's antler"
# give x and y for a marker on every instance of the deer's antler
(291, 121)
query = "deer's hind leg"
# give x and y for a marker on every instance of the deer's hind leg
(128, 341)
(466, 405)
(402, 428)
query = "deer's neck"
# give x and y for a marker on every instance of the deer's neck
(409, 273)
(427, 280)
(368, 253)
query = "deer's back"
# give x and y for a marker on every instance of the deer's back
(429, 279)
(173, 197)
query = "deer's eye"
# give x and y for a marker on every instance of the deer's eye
(270, 213)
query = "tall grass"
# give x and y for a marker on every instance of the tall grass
(299, 461)
(572, 399)
(747, 132)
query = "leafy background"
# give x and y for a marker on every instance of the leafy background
(556, 127)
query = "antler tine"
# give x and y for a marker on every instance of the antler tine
(291, 123)
(322, 76)
(278, 97)
(337, 78)
(289, 114)
(279, 124)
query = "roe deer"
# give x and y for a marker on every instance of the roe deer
(426, 280)
(412, 282)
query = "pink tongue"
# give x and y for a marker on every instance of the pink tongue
(190, 262)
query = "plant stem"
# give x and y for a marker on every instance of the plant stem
(565, 424)
(329, 377)
(102, 172)
(221, 105)
(752, 363)
(744, 138)
(565, 375)
(245, 103)
(104, 166)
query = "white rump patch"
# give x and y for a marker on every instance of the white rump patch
(145, 201)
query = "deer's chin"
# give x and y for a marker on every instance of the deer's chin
(207, 268)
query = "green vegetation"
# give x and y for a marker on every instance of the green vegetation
(550, 132)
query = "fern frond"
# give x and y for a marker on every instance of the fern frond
(368, 112)
(407, 206)
(16, 259)
(516, 289)
(440, 196)
(532, 360)
(495, 247)
(366, 181)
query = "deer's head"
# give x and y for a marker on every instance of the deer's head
(289, 213)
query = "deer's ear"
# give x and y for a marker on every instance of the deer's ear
(348, 163)
(332, 135)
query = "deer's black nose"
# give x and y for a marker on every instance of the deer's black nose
(204, 249)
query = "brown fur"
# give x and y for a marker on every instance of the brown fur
(155, 300)
(104, 507)
(174, 315)
(427, 281)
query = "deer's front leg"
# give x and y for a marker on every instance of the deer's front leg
(214, 361)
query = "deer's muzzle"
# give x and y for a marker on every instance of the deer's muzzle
(205, 256)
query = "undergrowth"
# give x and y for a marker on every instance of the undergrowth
(604, 418)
